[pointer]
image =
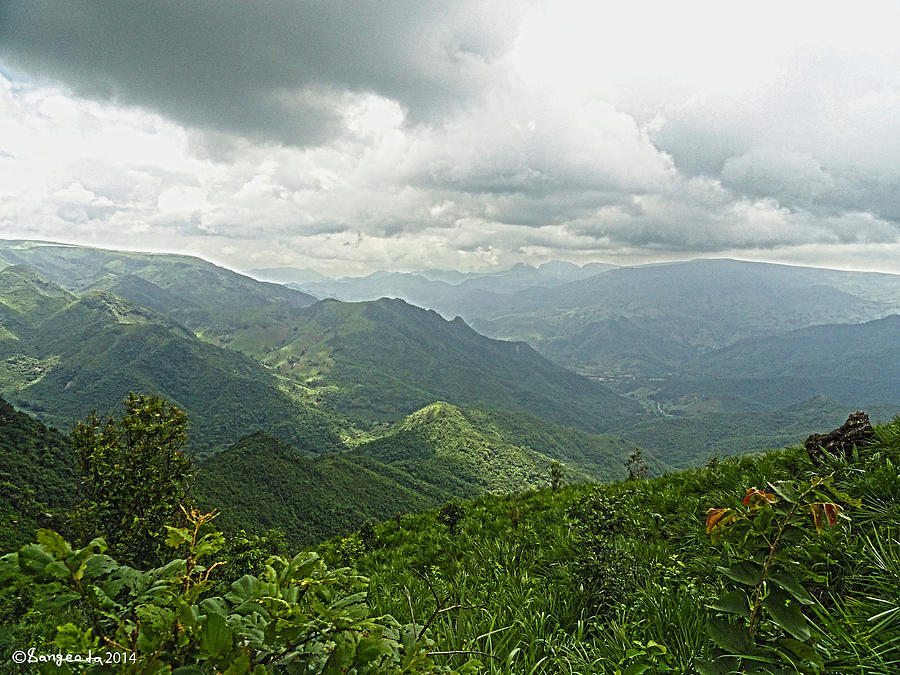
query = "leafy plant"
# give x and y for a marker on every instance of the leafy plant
(133, 476)
(760, 624)
(296, 616)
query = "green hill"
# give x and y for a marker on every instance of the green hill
(437, 453)
(851, 363)
(91, 351)
(212, 301)
(375, 361)
(678, 310)
(387, 359)
(37, 479)
(684, 441)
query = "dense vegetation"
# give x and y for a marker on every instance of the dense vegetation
(387, 357)
(70, 355)
(36, 477)
(436, 454)
(620, 578)
(659, 575)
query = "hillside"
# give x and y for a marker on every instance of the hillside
(683, 309)
(72, 356)
(851, 363)
(261, 482)
(36, 477)
(690, 440)
(623, 578)
(374, 362)
(433, 455)
(387, 359)
(448, 292)
(212, 301)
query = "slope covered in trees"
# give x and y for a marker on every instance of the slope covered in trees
(696, 571)
(374, 362)
(37, 477)
(388, 357)
(436, 454)
(65, 356)
(635, 576)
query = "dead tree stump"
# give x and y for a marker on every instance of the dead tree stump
(856, 431)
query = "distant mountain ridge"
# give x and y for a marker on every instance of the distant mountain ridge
(371, 362)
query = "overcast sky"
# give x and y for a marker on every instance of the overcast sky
(353, 135)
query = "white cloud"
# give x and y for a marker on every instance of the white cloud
(644, 131)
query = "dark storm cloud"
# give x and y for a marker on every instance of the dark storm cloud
(276, 70)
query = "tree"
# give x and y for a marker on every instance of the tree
(556, 475)
(134, 477)
(636, 466)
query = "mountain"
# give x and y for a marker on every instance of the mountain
(851, 363)
(212, 301)
(384, 359)
(37, 478)
(288, 275)
(453, 293)
(683, 309)
(65, 356)
(435, 454)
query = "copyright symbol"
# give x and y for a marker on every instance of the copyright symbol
(19, 657)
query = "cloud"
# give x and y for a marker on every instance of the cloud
(356, 135)
(279, 70)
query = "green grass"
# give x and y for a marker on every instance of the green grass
(515, 570)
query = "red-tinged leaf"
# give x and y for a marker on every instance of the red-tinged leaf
(713, 516)
(816, 512)
(831, 512)
(756, 498)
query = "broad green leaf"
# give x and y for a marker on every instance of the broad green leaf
(33, 559)
(215, 635)
(789, 582)
(787, 614)
(342, 656)
(63, 600)
(178, 536)
(53, 543)
(792, 534)
(216, 604)
(244, 587)
(722, 666)
(785, 490)
(636, 669)
(58, 570)
(239, 666)
(189, 670)
(370, 650)
(763, 520)
(747, 573)
(96, 566)
(735, 602)
(844, 497)
(803, 651)
(732, 637)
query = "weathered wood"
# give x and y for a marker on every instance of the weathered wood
(856, 431)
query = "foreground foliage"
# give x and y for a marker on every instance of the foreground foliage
(624, 578)
(295, 616)
(801, 575)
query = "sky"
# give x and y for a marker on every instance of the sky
(353, 135)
